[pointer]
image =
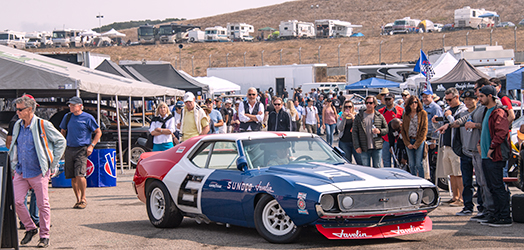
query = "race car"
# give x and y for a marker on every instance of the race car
(279, 183)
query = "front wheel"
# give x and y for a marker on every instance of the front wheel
(161, 209)
(272, 222)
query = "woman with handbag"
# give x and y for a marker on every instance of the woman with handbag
(162, 128)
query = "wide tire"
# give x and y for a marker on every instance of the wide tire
(272, 222)
(161, 209)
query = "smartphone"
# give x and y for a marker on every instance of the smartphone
(439, 119)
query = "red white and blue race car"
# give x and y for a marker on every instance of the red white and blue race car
(280, 183)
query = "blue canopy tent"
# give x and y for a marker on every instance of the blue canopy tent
(373, 83)
(515, 80)
(357, 35)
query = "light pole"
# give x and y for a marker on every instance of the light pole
(443, 40)
(515, 38)
(245, 58)
(210, 60)
(193, 65)
(99, 22)
(227, 62)
(281, 56)
(422, 43)
(401, 41)
(358, 52)
(319, 53)
(300, 55)
(339, 55)
(490, 36)
(180, 46)
(262, 55)
(380, 53)
(467, 35)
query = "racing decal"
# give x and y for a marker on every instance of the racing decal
(248, 187)
(332, 173)
(110, 166)
(90, 168)
(301, 203)
(180, 150)
(350, 234)
(214, 184)
(188, 193)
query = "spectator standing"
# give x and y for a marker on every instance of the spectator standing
(495, 151)
(390, 112)
(405, 95)
(162, 128)
(380, 97)
(345, 126)
(32, 162)
(194, 120)
(414, 131)
(330, 120)
(504, 99)
(215, 116)
(227, 111)
(177, 114)
(311, 119)
(285, 94)
(320, 107)
(279, 120)
(300, 111)
(77, 127)
(294, 114)
(235, 122)
(251, 112)
(368, 128)
(432, 109)
(451, 161)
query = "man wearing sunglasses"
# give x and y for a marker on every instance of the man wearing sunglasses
(390, 112)
(279, 119)
(251, 112)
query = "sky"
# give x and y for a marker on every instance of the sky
(38, 15)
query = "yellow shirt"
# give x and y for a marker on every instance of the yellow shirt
(190, 129)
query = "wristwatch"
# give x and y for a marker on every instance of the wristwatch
(92, 144)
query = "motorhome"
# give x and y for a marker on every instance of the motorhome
(174, 33)
(216, 34)
(334, 28)
(296, 29)
(392, 72)
(196, 36)
(475, 18)
(240, 32)
(478, 55)
(39, 40)
(68, 38)
(405, 25)
(146, 34)
(13, 39)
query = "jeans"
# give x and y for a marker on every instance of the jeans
(493, 173)
(374, 154)
(484, 198)
(466, 166)
(415, 159)
(348, 148)
(330, 129)
(319, 127)
(386, 155)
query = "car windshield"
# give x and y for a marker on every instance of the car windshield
(281, 151)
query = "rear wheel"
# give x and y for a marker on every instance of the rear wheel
(136, 152)
(272, 222)
(161, 209)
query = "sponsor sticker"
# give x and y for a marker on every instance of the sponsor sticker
(180, 150)
(301, 203)
(215, 185)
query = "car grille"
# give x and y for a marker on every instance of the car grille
(382, 200)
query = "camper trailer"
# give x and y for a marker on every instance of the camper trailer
(405, 25)
(478, 55)
(296, 29)
(174, 33)
(216, 34)
(475, 18)
(196, 36)
(13, 39)
(392, 72)
(146, 34)
(334, 28)
(240, 32)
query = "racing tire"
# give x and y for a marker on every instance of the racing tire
(517, 207)
(136, 151)
(272, 222)
(161, 209)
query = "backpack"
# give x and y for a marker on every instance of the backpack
(149, 142)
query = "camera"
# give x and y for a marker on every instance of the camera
(439, 119)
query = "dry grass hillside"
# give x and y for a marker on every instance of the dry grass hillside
(366, 50)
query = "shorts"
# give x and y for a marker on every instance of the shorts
(75, 162)
(450, 162)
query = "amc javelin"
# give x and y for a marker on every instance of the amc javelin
(280, 183)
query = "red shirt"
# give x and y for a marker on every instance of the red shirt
(389, 115)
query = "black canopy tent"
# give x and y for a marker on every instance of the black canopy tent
(461, 77)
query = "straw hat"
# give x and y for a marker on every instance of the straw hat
(383, 92)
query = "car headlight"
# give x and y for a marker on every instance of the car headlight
(413, 198)
(346, 202)
(428, 196)
(327, 202)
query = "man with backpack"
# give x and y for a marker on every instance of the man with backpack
(390, 112)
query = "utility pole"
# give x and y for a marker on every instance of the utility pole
(99, 22)
(339, 55)
(380, 53)
(319, 53)
(401, 41)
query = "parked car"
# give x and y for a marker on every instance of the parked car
(521, 22)
(438, 27)
(505, 24)
(280, 183)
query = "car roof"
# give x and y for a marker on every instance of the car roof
(257, 135)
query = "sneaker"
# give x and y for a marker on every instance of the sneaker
(464, 212)
(28, 236)
(479, 216)
(501, 223)
(488, 221)
(44, 242)
(457, 203)
(22, 227)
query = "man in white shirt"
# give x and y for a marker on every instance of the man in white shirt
(251, 112)
(300, 111)
(311, 120)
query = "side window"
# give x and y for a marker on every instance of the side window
(199, 158)
(224, 156)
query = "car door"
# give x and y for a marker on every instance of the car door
(224, 189)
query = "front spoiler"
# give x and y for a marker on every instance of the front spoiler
(375, 232)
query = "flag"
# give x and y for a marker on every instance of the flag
(424, 67)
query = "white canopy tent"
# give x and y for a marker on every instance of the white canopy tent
(218, 85)
(113, 33)
(90, 33)
(444, 64)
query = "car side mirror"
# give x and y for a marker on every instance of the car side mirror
(340, 152)
(242, 163)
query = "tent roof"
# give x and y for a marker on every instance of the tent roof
(113, 68)
(113, 33)
(22, 71)
(373, 83)
(218, 84)
(514, 79)
(444, 64)
(461, 73)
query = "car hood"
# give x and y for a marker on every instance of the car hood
(325, 177)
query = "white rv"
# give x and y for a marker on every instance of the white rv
(296, 29)
(216, 34)
(405, 25)
(478, 55)
(196, 36)
(475, 18)
(240, 32)
(68, 38)
(334, 28)
(38, 40)
(13, 39)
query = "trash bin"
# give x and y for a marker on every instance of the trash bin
(101, 170)
(60, 181)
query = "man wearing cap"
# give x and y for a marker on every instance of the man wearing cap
(380, 97)
(177, 114)
(215, 115)
(251, 112)
(390, 112)
(78, 126)
(227, 113)
(495, 151)
(35, 150)
(194, 119)
(405, 95)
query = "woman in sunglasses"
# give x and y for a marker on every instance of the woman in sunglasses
(345, 126)
(414, 130)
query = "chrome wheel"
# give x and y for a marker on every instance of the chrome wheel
(275, 219)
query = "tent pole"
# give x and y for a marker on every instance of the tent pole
(143, 111)
(78, 92)
(164, 98)
(98, 108)
(119, 135)
(129, 137)
(521, 103)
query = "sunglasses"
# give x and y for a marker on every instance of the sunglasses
(415, 102)
(20, 110)
(251, 94)
(405, 95)
(348, 107)
(449, 100)
(370, 103)
(277, 104)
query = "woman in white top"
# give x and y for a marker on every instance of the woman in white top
(162, 128)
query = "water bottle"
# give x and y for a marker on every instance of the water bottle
(373, 128)
(469, 120)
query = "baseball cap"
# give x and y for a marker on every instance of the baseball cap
(389, 96)
(209, 100)
(405, 92)
(75, 100)
(188, 96)
(179, 104)
(469, 93)
(488, 90)
(237, 102)
(31, 97)
(229, 101)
